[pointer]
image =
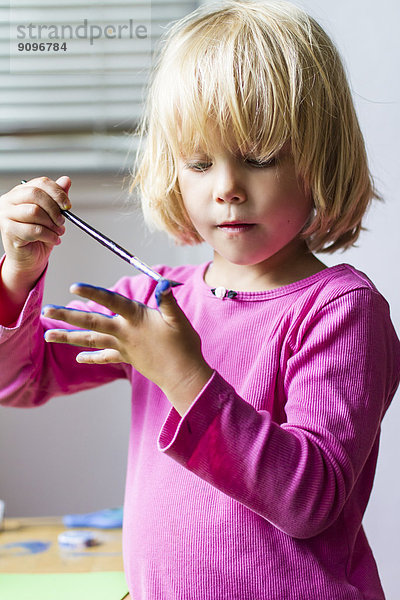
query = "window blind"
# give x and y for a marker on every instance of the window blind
(72, 80)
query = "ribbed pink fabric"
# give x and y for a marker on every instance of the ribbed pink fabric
(258, 492)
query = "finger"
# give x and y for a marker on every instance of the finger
(33, 214)
(64, 182)
(22, 234)
(163, 288)
(81, 338)
(29, 204)
(100, 357)
(28, 212)
(92, 321)
(46, 193)
(169, 308)
(57, 190)
(115, 302)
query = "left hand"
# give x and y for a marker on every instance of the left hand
(161, 344)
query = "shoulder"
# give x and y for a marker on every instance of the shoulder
(341, 285)
(343, 278)
(341, 301)
(342, 319)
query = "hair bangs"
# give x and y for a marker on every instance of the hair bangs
(220, 90)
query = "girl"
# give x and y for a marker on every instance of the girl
(259, 385)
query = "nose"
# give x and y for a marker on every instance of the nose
(229, 186)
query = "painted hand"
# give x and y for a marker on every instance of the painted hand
(161, 344)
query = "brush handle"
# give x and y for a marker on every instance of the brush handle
(100, 237)
(113, 246)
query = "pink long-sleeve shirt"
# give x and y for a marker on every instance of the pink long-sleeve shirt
(258, 492)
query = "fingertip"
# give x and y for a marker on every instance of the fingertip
(163, 288)
(74, 287)
(48, 307)
(164, 285)
(64, 181)
(82, 357)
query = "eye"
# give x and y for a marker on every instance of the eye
(198, 166)
(260, 164)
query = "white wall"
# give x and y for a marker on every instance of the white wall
(366, 33)
(70, 455)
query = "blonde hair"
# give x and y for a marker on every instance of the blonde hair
(265, 73)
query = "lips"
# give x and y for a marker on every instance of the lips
(235, 226)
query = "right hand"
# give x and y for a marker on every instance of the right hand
(31, 225)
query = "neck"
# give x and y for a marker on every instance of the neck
(292, 263)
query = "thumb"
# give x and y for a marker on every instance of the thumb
(166, 302)
(64, 182)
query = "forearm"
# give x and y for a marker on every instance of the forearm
(188, 387)
(19, 350)
(282, 475)
(14, 290)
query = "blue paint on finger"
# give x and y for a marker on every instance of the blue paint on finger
(162, 287)
(65, 330)
(61, 329)
(87, 285)
(50, 306)
(76, 310)
(59, 307)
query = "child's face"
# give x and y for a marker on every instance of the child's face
(248, 212)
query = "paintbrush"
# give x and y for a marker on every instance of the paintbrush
(113, 246)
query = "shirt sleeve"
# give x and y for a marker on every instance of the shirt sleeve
(339, 376)
(32, 370)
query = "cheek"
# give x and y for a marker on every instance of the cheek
(192, 199)
(197, 217)
(182, 189)
(294, 198)
(189, 202)
(185, 187)
(192, 205)
(290, 211)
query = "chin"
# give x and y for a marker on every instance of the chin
(245, 261)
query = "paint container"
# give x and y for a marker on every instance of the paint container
(77, 539)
